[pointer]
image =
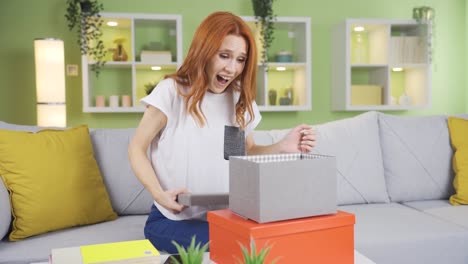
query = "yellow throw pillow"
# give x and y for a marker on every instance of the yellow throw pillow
(53, 179)
(458, 128)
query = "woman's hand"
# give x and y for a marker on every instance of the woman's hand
(168, 200)
(300, 139)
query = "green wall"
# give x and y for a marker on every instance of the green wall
(24, 20)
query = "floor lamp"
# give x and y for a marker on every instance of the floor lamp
(50, 82)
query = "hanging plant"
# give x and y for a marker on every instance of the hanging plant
(263, 11)
(424, 15)
(84, 17)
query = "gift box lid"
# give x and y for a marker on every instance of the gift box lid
(248, 228)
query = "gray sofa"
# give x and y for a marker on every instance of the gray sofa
(394, 173)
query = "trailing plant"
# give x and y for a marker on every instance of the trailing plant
(263, 11)
(424, 15)
(84, 17)
(253, 257)
(192, 255)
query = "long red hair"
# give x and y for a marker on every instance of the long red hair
(205, 44)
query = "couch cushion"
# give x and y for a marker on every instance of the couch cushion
(127, 194)
(39, 247)
(8, 126)
(355, 143)
(5, 210)
(458, 128)
(393, 233)
(417, 157)
(52, 174)
(444, 210)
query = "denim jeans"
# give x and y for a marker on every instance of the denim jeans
(161, 231)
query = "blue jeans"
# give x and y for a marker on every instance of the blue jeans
(161, 231)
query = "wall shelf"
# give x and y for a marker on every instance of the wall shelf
(386, 66)
(160, 36)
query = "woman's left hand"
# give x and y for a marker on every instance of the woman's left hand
(300, 139)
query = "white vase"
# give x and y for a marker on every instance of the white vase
(404, 99)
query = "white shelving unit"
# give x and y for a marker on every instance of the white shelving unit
(386, 66)
(291, 80)
(149, 32)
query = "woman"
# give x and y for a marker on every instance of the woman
(184, 123)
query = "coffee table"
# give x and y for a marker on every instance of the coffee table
(358, 258)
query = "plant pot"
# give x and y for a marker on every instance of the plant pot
(85, 6)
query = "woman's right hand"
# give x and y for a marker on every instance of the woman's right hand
(168, 200)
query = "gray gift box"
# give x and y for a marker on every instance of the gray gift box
(267, 188)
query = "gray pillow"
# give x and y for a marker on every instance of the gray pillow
(355, 144)
(127, 194)
(5, 210)
(417, 157)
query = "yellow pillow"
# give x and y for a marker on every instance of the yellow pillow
(459, 137)
(53, 179)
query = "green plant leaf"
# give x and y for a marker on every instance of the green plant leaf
(193, 254)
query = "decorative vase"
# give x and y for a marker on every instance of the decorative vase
(359, 47)
(272, 97)
(119, 53)
(404, 99)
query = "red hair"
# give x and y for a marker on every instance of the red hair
(205, 44)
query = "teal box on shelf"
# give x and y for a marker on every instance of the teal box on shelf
(267, 188)
(283, 56)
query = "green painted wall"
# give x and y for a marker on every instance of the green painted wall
(24, 20)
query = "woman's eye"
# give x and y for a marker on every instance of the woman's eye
(223, 55)
(241, 59)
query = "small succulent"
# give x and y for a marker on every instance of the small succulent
(192, 255)
(253, 257)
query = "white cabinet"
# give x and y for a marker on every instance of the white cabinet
(380, 64)
(153, 47)
(284, 83)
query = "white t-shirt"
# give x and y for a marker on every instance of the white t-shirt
(185, 155)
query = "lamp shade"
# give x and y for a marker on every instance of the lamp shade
(50, 82)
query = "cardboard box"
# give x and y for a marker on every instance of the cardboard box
(320, 239)
(156, 57)
(366, 95)
(268, 188)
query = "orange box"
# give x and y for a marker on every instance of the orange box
(319, 239)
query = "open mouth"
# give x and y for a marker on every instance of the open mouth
(223, 80)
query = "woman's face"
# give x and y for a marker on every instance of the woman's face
(227, 63)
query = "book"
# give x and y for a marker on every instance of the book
(134, 251)
(149, 56)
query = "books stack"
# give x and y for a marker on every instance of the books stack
(127, 252)
(408, 49)
(156, 57)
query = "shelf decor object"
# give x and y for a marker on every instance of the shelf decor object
(50, 82)
(425, 15)
(84, 17)
(380, 64)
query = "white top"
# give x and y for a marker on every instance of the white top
(185, 155)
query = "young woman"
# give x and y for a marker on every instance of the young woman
(184, 124)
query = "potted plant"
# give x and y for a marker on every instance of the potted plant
(192, 255)
(424, 15)
(263, 11)
(253, 257)
(84, 17)
(150, 86)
